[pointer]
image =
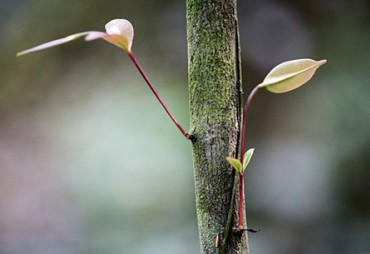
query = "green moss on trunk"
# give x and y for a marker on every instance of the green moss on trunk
(215, 115)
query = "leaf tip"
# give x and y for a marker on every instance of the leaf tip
(322, 62)
(21, 53)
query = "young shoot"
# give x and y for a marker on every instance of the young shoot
(120, 33)
(285, 77)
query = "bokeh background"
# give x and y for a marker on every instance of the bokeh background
(90, 163)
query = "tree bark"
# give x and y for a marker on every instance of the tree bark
(215, 114)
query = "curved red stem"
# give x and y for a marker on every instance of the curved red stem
(242, 145)
(186, 135)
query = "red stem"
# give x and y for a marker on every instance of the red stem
(241, 176)
(241, 199)
(186, 135)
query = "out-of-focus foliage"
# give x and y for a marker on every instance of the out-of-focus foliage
(90, 163)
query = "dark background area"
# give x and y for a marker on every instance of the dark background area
(90, 163)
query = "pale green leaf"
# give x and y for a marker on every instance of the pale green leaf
(290, 75)
(235, 163)
(53, 43)
(119, 32)
(247, 158)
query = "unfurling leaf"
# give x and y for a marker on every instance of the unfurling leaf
(119, 32)
(235, 163)
(247, 158)
(290, 75)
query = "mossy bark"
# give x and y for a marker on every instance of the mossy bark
(214, 86)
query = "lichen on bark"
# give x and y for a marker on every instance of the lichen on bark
(214, 89)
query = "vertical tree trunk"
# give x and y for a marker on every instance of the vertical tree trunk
(214, 85)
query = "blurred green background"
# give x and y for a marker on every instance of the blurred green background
(90, 163)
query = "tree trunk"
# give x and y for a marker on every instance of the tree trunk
(215, 91)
